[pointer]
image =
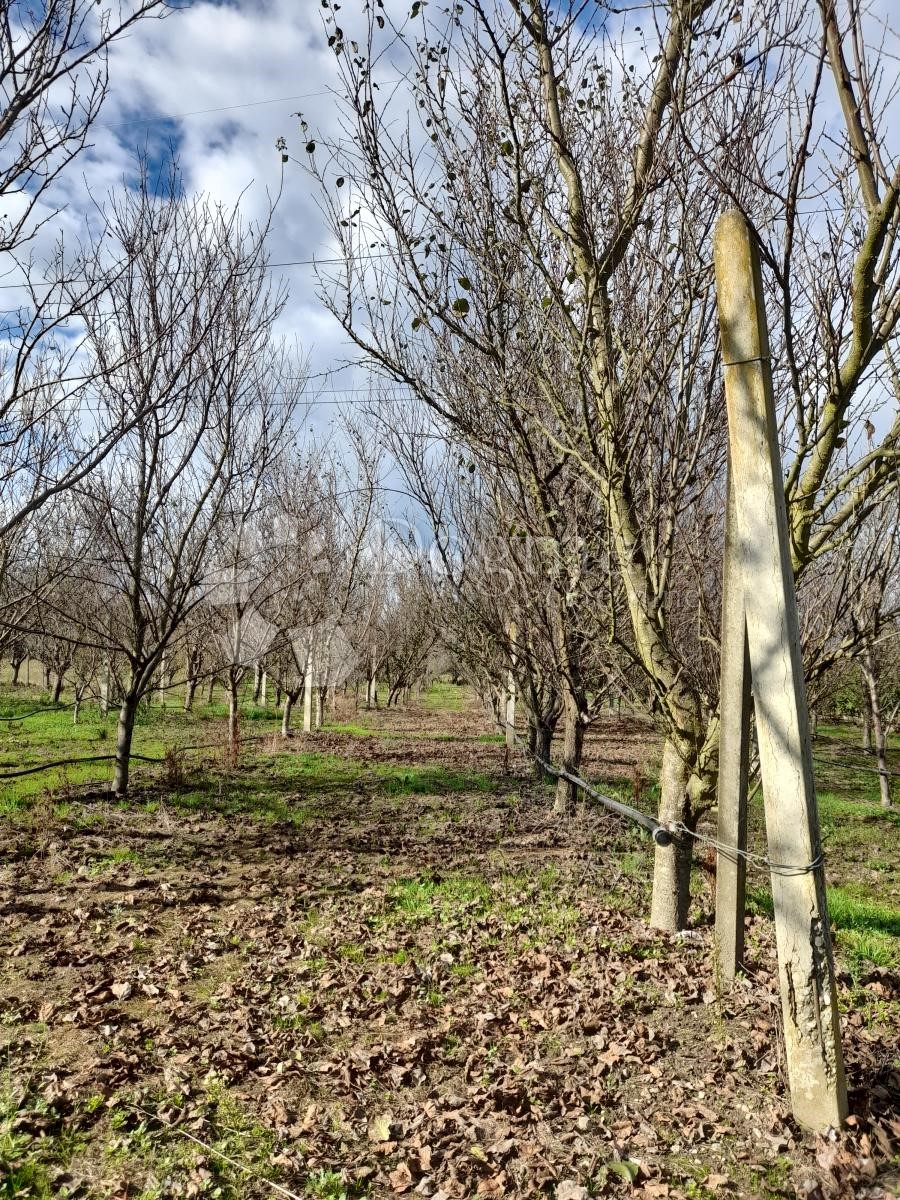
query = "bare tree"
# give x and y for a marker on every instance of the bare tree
(193, 312)
(53, 83)
(540, 153)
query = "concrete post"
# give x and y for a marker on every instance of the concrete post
(308, 685)
(510, 714)
(104, 687)
(806, 970)
(734, 754)
(162, 691)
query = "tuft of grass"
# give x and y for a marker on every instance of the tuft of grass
(326, 1185)
(430, 781)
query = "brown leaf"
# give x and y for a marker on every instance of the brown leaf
(401, 1178)
(570, 1189)
(379, 1128)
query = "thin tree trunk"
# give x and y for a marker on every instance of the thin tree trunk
(573, 741)
(16, 666)
(867, 713)
(58, 687)
(289, 701)
(233, 715)
(46, 678)
(210, 689)
(867, 665)
(257, 681)
(190, 689)
(541, 741)
(124, 735)
(672, 868)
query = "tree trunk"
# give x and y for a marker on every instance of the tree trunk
(867, 666)
(233, 716)
(573, 740)
(813, 723)
(867, 715)
(46, 678)
(58, 687)
(16, 666)
(124, 735)
(289, 701)
(543, 746)
(190, 689)
(672, 868)
(210, 689)
(257, 681)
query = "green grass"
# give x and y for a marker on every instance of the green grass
(447, 697)
(422, 897)
(865, 930)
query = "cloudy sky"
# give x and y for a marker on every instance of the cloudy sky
(254, 64)
(222, 82)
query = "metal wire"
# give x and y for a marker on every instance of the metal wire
(759, 861)
(660, 833)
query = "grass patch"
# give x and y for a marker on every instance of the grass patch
(865, 931)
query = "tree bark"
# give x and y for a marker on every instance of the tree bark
(190, 689)
(58, 687)
(233, 715)
(210, 689)
(867, 716)
(124, 735)
(573, 741)
(290, 699)
(867, 665)
(672, 866)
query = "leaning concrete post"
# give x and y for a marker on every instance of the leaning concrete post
(734, 754)
(806, 971)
